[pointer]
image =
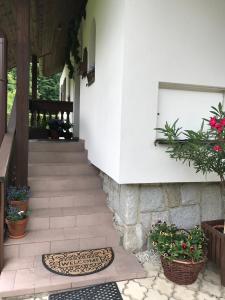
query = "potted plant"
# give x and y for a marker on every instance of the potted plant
(182, 253)
(18, 197)
(205, 151)
(16, 221)
(66, 131)
(55, 128)
(91, 76)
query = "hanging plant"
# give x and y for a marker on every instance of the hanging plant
(73, 44)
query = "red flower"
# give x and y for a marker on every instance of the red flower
(217, 148)
(192, 249)
(212, 122)
(184, 246)
(219, 127)
(222, 122)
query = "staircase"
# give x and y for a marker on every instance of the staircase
(68, 212)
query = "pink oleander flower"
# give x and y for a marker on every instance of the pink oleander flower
(222, 122)
(212, 122)
(219, 127)
(217, 148)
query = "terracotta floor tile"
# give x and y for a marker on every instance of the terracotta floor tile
(11, 251)
(67, 245)
(19, 263)
(48, 235)
(42, 279)
(7, 281)
(34, 249)
(63, 222)
(92, 243)
(25, 279)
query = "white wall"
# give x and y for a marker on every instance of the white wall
(176, 41)
(100, 105)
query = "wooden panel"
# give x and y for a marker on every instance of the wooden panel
(2, 222)
(23, 60)
(3, 85)
(6, 159)
(7, 144)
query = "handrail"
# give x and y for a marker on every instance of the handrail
(50, 106)
(7, 145)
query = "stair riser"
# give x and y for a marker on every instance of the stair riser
(56, 157)
(35, 249)
(47, 170)
(56, 146)
(65, 184)
(96, 199)
(42, 223)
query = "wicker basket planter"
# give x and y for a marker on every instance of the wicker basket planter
(182, 272)
(216, 245)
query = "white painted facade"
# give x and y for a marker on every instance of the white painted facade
(140, 46)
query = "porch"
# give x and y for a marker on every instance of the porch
(68, 205)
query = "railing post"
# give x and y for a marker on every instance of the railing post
(34, 77)
(3, 85)
(22, 97)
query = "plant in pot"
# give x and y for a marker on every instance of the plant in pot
(55, 128)
(205, 151)
(18, 197)
(16, 221)
(182, 252)
(66, 131)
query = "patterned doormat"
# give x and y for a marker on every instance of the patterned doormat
(78, 263)
(107, 291)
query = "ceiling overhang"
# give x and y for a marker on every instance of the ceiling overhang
(49, 21)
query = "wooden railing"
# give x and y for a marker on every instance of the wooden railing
(41, 111)
(7, 173)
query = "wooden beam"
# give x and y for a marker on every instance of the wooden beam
(22, 97)
(34, 77)
(3, 86)
(2, 222)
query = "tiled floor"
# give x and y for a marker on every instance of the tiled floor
(157, 287)
(22, 276)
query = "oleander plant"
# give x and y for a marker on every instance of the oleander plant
(203, 149)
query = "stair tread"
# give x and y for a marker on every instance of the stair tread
(62, 177)
(72, 164)
(69, 211)
(62, 234)
(68, 193)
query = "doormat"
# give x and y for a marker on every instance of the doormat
(107, 291)
(78, 263)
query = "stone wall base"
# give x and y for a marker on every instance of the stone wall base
(137, 207)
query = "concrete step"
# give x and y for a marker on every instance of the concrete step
(57, 169)
(38, 242)
(56, 146)
(68, 217)
(64, 183)
(87, 198)
(57, 157)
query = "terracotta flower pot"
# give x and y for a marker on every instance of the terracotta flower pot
(17, 228)
(54, 134)
(21, 205)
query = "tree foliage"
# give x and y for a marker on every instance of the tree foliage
(48, 87)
